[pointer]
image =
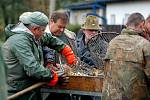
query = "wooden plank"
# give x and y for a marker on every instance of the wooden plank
(83, 83)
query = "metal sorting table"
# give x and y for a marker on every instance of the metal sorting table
(82, 85)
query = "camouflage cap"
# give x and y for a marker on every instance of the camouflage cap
(37, 18)
(91, 22)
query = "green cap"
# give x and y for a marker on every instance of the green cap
(24, 17)
(37, 18)
(91, 22)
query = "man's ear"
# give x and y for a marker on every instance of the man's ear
(34, 28)
(51, 20)
(83, 30)
(141, 25)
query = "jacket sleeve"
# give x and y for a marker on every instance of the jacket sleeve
(59, 46)
(52, 42)
(146, 53)
(147, 67)
(22, 49)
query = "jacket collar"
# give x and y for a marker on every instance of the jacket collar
(128, 31)
(21, 28)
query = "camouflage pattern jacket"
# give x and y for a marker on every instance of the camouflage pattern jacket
(24, 58)
(127, 68)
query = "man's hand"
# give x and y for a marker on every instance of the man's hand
(62, 74)
(53, 66)
(67, 68)
(69, 55)
(63, 79)
(54, 80)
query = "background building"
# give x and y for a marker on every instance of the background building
(111, 12)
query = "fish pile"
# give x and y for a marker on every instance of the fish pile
(83, 69)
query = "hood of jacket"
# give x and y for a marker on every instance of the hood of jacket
(19, 28)
(128, 31)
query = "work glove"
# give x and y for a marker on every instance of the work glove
(69, 55)
(54, 80)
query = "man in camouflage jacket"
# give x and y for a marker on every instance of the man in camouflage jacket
(127, 67)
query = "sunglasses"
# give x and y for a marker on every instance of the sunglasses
(91, 30)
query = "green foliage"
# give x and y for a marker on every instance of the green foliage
(11, 9)
(63, 3)
(2, 37)
(74, 28)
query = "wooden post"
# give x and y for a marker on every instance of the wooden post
(37, 85)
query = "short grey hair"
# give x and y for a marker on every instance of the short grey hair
(135, 19)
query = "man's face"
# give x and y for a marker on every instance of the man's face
(38, 31)
(89, 33)
(140, 27)
(147, 27)
(57, 28)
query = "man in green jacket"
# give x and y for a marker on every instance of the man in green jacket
(24, 57)
(3, 87)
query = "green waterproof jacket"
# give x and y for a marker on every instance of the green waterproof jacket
(3, 89)
(24, 58)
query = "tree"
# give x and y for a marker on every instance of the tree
(10, 10)
(62, 3)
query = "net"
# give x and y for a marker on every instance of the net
(97, 46)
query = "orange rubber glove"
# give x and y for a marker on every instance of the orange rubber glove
(54, 80)
(69, 55)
